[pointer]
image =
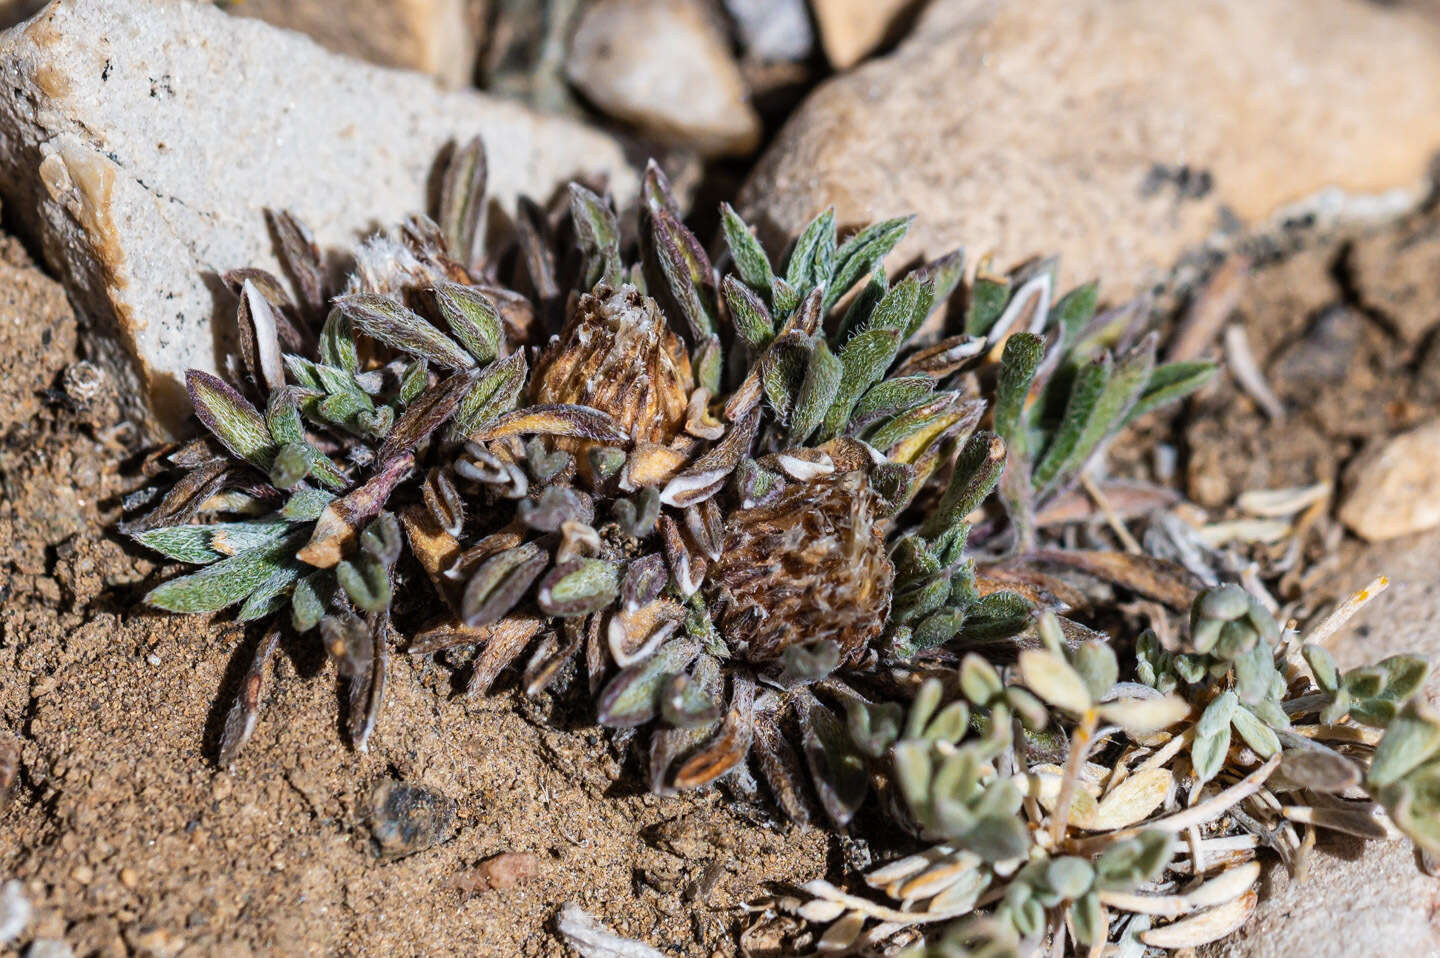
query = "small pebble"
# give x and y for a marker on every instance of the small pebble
(84, 874)
(509, 869)
(129, 878)
(406, 819)
(48, 948)
(14, 911)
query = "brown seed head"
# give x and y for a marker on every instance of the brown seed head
(619, 355)
(809, 566)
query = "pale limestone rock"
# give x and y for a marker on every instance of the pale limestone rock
(141, 143)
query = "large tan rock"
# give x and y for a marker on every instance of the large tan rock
(141, 143)
(1114, 132)
(438, 37)
(664, 66)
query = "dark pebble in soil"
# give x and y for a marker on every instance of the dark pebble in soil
(405, 819)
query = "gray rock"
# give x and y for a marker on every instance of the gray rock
(48, 948)
(141, 144)
(15, 911)
(664, 66)
(1113, 133)
(773, 30)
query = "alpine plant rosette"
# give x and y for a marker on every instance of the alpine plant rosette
(746, 514)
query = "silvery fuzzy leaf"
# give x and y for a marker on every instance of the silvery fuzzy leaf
(1322, 664)
(813, 256)
(271, 595)
(1087, 916)
(412, 382)
(1095, 661)
(1207, 754)
(898, 306)
(1054, 680)
(997, 838)
(202, 544)
(1134, 861)
(687, 271)
(309, 599)
(947, 407)
(632, 697)
(291, 465)
(462, 199)
(1171, 383)
(748, 313)
(745, 251)
(865, 357)
(926, 701)
(223, 583)
(473, 319)
(977, 470)
(996, 616)
(979, 680)
(578, 587)
(708, 362)
(597, 231)
(823, 373)
(1141, 716)
(496, 389)
(781, 368)
(230, 418)
(784, 298)
(499, 582)
(935, 629)
(687, 704)
(837, 769)
(1018, 365)
(890, 397)
(394, 325)
(988, 296)
(807, 663)
(1073, 311)
(337, 347)
(862, 253)
(1254, 671)
(655, 191)
(1069, 876)
(857, 314)
(1259, 736)
(1084, 395)
(873, 727)
(305, 504)
(366, 582)
(1113, 403)
(1411, 740)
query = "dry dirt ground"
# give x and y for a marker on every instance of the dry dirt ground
(129, 839)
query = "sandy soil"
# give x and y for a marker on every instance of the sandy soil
(129, 840)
